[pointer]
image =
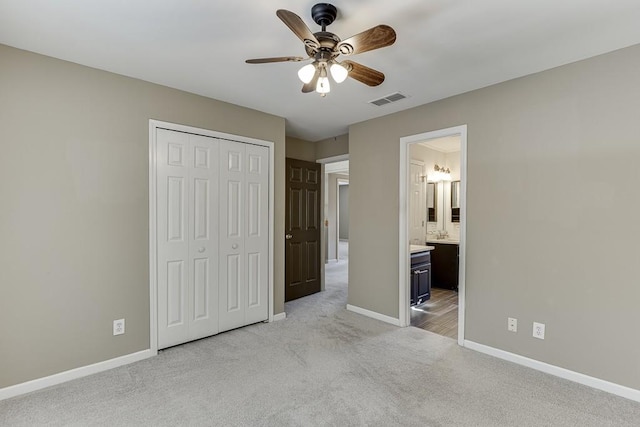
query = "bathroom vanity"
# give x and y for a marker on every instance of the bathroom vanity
(420, 275)
(445, 262)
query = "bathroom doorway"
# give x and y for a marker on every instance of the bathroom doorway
(440, 232)
(441, 248)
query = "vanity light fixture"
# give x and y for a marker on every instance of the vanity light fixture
(440, 173)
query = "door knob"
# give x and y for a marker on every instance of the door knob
(288, 236)
(201, 249)
(234, 246)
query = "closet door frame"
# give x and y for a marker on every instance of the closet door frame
(153, 262)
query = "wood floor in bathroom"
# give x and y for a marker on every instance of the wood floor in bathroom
(439, 314)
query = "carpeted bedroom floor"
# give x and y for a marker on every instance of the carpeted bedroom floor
(322, 366)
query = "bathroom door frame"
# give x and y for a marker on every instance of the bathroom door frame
(404, 284)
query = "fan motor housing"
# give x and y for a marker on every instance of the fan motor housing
(324, 14)
(328, 42)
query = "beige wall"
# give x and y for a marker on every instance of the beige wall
(74, 211)
(331, 147)
(312, 151)
(300, 149)
(552, 164)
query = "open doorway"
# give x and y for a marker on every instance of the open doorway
(335, 236)
(432, 252)
(342, 219)
(434, 224)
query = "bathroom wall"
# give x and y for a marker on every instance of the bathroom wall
(431, 157)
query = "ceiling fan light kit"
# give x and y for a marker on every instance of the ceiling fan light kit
(324, 47)
(338, 72)
(306, 73)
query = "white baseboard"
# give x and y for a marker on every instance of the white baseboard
(609, 387)
(83, 371)
(279, 316)
(373, 314)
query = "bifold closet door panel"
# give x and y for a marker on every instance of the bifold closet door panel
(187, 237)
(257, 236)
(232, 257)
(244, 240)
(173, 242)
(203, 237)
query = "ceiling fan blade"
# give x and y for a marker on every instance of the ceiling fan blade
(311, 86)
(373, 38)
(276, 59)
(300, 29)
(363, 74)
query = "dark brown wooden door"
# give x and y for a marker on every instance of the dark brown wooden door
(302, 229)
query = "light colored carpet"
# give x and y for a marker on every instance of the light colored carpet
(323, 366)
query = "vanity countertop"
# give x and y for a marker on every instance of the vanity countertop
(447, 241)
(420, 248)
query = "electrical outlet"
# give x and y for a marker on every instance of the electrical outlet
(512, 324)
(538, 330)
(118, 327)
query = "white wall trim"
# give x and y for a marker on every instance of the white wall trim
(272, 239)
(324, 194)
(373, 315)
(279, 316)
(597, 383)
(72, 374)
(333, 159)
(403, 224)
(153, 256)
(153, 280)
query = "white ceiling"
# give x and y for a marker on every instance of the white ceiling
(446, 144)
(443, 47)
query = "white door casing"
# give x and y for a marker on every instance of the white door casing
(403, 224)
(212, 235)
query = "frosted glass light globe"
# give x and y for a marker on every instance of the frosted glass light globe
(323, 85)
(306, 73)
(338, 72)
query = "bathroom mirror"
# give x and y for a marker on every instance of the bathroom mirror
(455, 201)
(432, 202)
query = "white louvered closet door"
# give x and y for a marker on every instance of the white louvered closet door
(187, 251)
(244, 181)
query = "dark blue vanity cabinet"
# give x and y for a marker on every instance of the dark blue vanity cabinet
(420, 277)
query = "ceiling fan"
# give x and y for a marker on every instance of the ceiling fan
(324, 47)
